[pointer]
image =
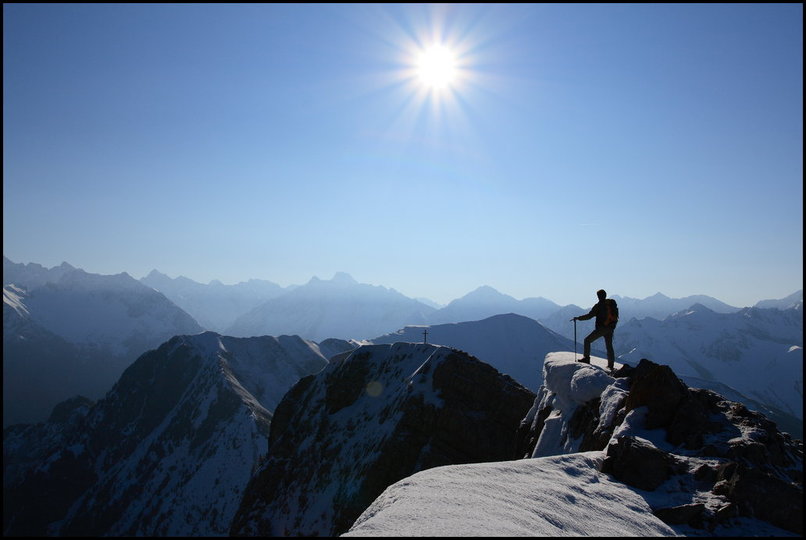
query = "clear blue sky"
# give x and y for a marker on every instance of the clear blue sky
(638, 148)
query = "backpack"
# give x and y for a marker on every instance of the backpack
(611, 318)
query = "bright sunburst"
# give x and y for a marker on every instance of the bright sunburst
(432, 60)
(436, 67)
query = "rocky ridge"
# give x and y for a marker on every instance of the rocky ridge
(372, 417)
(720, 459)
(167, 452)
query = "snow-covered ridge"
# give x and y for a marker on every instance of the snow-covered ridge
(667, 468)
(551, 497)
(371, 417)
(259, 364)
(169, 450)
(13, 297)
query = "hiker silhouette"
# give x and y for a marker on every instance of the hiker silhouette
(606, 313)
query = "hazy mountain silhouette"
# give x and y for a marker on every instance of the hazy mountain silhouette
(68, 332)
(340, 308)
(485, 302)
(215, 306)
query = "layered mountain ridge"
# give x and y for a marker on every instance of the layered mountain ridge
(75, 335)
(167, 452)
(339, 308)
(214, 305)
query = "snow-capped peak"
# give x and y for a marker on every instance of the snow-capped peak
(695, 309)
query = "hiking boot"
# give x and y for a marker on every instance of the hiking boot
(585, 360)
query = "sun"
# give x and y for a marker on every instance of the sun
(436, 67)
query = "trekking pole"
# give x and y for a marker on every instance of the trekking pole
(575, 338)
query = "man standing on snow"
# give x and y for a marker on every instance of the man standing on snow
(606, 313)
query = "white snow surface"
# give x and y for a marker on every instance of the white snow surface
(568, 384)
(553, 496)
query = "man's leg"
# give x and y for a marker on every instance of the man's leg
(611, 355)
(593, 336)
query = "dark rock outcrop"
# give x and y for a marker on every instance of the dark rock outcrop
(640, 464)
(756, 468)
(371, 418)
(656, 387)
(706, 444)
(689, 514)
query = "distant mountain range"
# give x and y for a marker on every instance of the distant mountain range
(214, 305)
(789, 302)
(485, 302)
(757, 351)
(116, 313)
(338, 308)
(68, 332)
(659, 305)
(317, 309)
(32, 275)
